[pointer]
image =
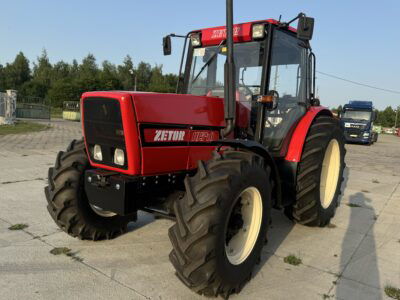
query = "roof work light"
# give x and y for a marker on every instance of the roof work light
(258, 31)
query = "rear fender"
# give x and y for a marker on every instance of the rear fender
(299, 136)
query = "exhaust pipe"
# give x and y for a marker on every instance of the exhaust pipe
(230, 80)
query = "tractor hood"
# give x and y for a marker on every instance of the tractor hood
(125, 120)
(178, 109)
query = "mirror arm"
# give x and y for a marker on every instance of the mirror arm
(178, 35)
(286, 24)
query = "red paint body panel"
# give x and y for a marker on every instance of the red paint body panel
(197, 153)
(131, 133)
(241, 33)
(179, 109)
(164, 159)
(295, 149)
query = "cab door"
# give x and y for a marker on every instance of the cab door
(288, 80)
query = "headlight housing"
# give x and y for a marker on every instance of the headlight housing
(366, 134)
(119, 157)
(258, 31)
(97, 154)
(195, 39)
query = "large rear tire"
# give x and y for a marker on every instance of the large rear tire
(221, 223)
(67, 201)
(319, 174)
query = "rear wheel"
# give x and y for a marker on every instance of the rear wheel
(67, 201)
(221, 223)
(319, 174)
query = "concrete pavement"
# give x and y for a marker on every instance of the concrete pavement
(355, 258)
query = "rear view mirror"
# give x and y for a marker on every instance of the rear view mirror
(167, 47)
(305, 28)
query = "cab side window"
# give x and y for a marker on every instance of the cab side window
(288, 78)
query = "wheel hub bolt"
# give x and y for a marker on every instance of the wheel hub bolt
(117, 186)
(89, 179)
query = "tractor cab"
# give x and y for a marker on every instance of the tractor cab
(273, 76)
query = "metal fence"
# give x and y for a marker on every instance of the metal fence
(32, 108)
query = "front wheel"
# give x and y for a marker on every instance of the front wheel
(319, 174)
(221, 223)
(68, 204)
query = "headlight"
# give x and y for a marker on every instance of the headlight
(119, 157)
(195, 39)
(366, 134)
(97, 154)
(258, 31)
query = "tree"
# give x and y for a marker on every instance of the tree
(126, 74)
(2, 78)
(63, 90)
(33, 88)
(63, 81)
(143, 74)
(42, 71)
(88, 75)
(16, 73)
(74, 70)
(386, 118)
(61, 70)
(109, 77)
(157, 80)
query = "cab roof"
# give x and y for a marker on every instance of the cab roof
(241, 32)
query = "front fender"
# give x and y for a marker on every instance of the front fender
(259, 149)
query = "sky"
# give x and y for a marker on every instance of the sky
(358, 39)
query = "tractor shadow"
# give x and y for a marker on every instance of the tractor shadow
(367, 272)
(143, 219)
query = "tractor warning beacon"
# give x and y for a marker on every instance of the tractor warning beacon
(242, 135)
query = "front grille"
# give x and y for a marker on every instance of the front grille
(103, 126)
(353, 133)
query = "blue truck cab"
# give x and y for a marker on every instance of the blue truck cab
(357, 118)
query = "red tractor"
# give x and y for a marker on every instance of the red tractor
(244, 134)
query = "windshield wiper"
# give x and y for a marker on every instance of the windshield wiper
(209, 61)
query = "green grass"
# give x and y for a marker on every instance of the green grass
(60, 250)
(353, 205)
(292, 260)
(392, 292)
(22, 127)
(56, 112)
(18, 226)
(66, 251)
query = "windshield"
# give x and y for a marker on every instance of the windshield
(357, 115)
(207, 69)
